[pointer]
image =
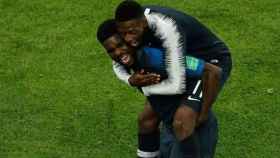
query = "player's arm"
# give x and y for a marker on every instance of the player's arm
(121, 72)
(137, 79)
(210, 75)
(210, 79)
(167, 31)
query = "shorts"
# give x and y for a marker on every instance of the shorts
(166, 106)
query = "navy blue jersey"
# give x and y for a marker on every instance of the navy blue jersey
(152, 60)
(198, 40)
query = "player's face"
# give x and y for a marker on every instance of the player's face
(132, 31)
(119, 51)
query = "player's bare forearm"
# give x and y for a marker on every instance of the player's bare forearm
(140, 79)
(211, 77)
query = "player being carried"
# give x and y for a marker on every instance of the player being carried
(149, 66)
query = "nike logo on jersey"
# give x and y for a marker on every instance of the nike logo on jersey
(190, 98)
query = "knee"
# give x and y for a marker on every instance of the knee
(147, 124)
(182, 130)
(184, 122)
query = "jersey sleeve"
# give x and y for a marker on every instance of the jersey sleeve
(121, 72)
(194, 66)
(166, 29)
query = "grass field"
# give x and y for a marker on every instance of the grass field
(60, 99)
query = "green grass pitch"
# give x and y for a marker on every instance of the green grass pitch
(60, 99)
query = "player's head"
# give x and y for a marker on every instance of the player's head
(131, 22)
(108, 36)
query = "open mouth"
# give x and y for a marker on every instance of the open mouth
(125, 59)
(134, 43)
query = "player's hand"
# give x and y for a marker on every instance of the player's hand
(140, 79)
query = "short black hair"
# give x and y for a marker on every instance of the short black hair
(106, 29)
(128, 10)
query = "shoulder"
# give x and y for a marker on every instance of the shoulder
(184, 21)
(170, 12)
(163, 10)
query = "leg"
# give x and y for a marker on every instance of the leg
(148, 120)
(208, 136)
(184, 126)
(148, 136)
(169, 145)
(184, 122)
